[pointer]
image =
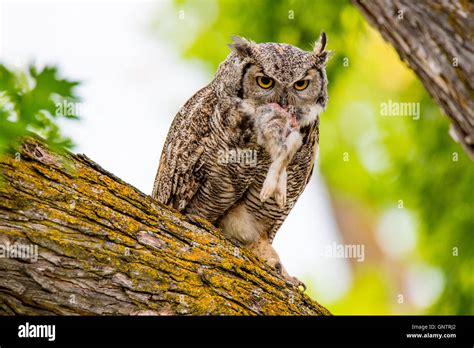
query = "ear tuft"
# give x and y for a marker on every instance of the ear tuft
(322, 56)
(241, 45)
(320, 45)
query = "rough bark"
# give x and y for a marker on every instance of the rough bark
(435, 38)
(106, 248)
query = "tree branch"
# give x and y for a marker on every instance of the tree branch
(435, 38)
(106, 248)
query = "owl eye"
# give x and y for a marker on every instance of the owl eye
(265, 82)
(301, 84)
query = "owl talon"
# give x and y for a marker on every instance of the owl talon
(295, 281)
(298, 283)
(290, 279)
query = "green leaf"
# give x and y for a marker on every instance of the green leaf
(32, 100)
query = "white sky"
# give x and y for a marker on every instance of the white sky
(133, 85)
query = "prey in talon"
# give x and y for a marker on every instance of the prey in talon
(278, 132)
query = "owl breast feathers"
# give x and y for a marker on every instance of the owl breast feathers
(247, 139)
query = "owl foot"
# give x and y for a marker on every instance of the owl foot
(296, 282)
(264, 249)
(290, 279)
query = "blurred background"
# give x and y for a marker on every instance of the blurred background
(386, 224)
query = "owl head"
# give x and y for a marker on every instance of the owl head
(277, 73)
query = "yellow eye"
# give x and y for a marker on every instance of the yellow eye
(265, 82)
(301, 84)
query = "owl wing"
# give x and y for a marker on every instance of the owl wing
(177, 179)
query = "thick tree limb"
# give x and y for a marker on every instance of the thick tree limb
(436, 39)
(106, 248)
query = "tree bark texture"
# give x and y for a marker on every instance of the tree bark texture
(106, 248)
(436, 39)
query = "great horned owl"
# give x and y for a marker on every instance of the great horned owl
(265, 99)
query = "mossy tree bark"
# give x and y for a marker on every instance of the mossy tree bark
(436, 39)
(106, 248)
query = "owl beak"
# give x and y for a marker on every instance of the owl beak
(283, 100)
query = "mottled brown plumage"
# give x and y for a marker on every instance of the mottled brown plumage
(205, 168)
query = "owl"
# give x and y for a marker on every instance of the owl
(263, 103)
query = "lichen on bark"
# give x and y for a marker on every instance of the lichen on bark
(105, 248)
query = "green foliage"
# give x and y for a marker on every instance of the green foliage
(374, 160)
(34, 100)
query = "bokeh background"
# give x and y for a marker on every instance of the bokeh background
(106, 78)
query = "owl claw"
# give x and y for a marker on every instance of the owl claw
(290, 279)
(296, 282)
